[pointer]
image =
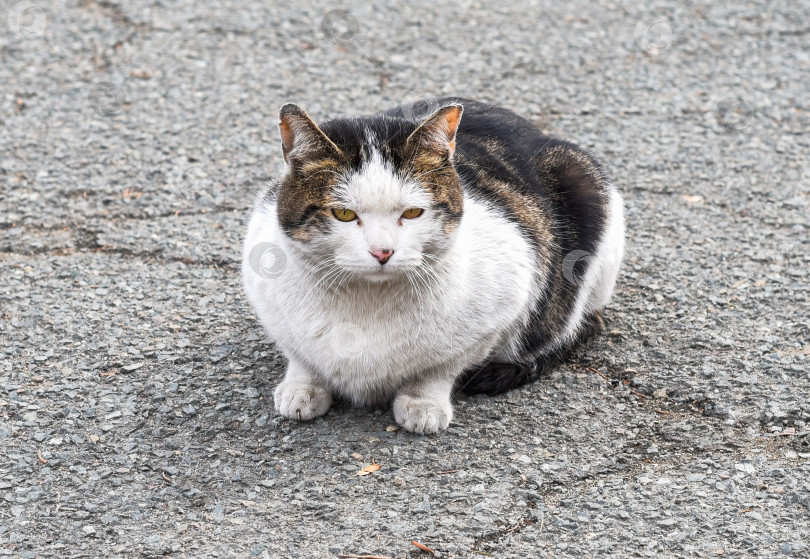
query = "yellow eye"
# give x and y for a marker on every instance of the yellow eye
(344, 214)
(412, 213)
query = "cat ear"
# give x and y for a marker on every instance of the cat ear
(300, 136)
(438, 131)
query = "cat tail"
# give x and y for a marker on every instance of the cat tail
(493, 378)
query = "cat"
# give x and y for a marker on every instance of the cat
(447, 244)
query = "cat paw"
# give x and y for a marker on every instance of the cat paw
(422, 415)
(302, 401)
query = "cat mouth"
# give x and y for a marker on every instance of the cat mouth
(382, 270)
(377, 273)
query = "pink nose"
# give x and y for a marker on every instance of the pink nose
(382, 254)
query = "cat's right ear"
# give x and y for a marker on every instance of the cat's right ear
(301, 139)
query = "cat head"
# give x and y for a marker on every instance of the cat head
(375, 196)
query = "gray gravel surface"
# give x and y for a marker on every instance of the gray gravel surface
(136, 415)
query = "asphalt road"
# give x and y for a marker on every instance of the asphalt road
(136, 415)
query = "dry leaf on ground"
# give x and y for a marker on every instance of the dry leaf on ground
(373, 467)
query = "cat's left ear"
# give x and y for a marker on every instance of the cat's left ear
(438, 131)
(300, 136)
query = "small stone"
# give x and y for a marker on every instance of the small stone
(724, 485)
(660, 394)
(218, 514)
(88, 530)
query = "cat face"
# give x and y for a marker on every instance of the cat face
(372, 203)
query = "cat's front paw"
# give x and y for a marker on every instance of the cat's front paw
(302, 401)
(422, 415)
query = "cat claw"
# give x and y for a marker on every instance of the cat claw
(423, 416)
(302, 401)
